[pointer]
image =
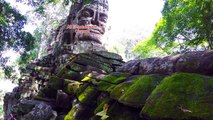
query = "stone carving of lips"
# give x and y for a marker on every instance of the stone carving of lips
(97, 30)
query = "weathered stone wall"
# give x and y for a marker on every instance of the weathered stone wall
(99, 85)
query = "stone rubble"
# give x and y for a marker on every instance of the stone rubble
(90, 86)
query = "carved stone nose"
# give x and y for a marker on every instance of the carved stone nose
(85, 21)
(95, 20)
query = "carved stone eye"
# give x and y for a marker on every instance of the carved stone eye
(103, 18)
(85, 14)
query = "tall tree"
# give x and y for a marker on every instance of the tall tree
(185, 25)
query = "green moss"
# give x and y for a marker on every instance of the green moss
(118, 111)
(101, 105)
(89, 79)
(108, 83)
(115, 78)
(68, 81)
(80, 112)
(77, 67)
(119, 90)
(81, 88)
(88, 95)
(71, 88)
(101, 63)
(138, 92)
(181, 96)
(62, 70)
(70, 115)
(70, 75)
(86, 79)
(105, 86)
(50, 90)
(55, 82)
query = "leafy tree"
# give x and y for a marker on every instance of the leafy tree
(11, 34)
(11, 26)
(186, 25)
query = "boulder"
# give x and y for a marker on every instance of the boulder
(63, 100)
(54, 84)
(79, 111)
(135, 92)
(190, 62)
(182, 96)
(40, 112)
(88, 96)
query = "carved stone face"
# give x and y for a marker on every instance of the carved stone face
(94, 15)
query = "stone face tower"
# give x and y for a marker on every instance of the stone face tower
(83, 29)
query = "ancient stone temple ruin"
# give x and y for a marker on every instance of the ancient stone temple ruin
(83, 29)
(79, 80)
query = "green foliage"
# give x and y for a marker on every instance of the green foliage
(39, 3)
(12, 36)
(26, 57)
(32, 54)
(86, 1)
(8, 70)
(148, 47)
(40, 9)
(103, 113)
(186, 25)
(3, 22)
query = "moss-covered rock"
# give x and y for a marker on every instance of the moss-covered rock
(81, 88)
(72, 87)
(118, 111)
(115, 77)
(88, 96)
(89, 77)
(79, 112)
(76, 67)
(105, 86)
(50, 90)
(66, 73)
(108, 55)
(108, 82)
(71, 75)
(100, 62)
(56, 82)
(101, 105)
(181, 96)
(112, 110)
(135, 92)
(119, 90)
